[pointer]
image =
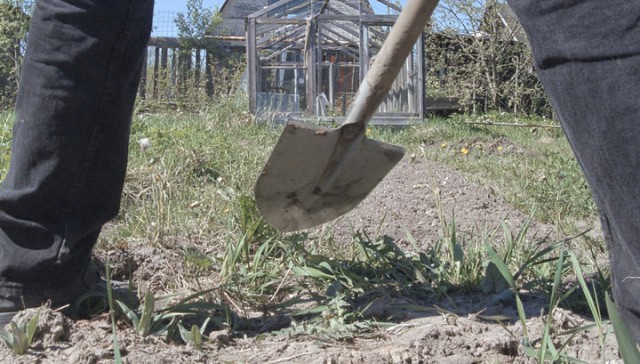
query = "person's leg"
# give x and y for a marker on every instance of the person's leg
(588, 56)
(70, 144)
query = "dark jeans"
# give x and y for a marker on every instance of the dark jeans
(588, 56)
(70, 144)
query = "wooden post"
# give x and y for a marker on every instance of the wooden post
(420, 84)
(164, 71)
(412, 74)
(332, 71)
(173, 75)
(208, 73)
(186, 63)
(164, 58)
(310, 64)
(186, 69)
(252, 65)
(156, 69)
(142, 89)
(364, 51)
(181, 74)
(295, 89)
(344, 104)
(198, 65)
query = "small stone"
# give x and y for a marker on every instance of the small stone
(220, 337)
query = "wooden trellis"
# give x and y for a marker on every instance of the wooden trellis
(307, 57)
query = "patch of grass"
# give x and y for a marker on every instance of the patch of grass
(19, 336)
(178, 180)
(196, 181)
(146, 322)
(194, 337)
(533, 168)
(189, 189)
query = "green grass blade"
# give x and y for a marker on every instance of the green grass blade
(31, 327)
(508, 241)
(311, 272)
(547, 343)
(196, 336)
(521, 315)
(117, 356)
(502, 267)
(585, 288)
(185, 335)
(6, 337)
(21, 345)
(144, 326)
(534, 260)
(627, 346)
(557, 281)
(129, 313)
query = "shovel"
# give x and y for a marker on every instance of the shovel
(316, 174)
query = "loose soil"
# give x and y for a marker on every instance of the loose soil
(409, 205)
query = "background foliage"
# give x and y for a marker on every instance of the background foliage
(476, 53)
(198, 69)
(14, 23)
(471, 57)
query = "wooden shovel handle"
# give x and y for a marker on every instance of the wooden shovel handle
(390, 59)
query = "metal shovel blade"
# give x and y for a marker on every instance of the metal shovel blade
(316, 174)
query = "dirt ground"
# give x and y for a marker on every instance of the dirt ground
(411, 199)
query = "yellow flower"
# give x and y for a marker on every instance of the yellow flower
(443, 145)
(464, 151)
(500, 148)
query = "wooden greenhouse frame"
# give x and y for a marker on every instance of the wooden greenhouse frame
(306, 58)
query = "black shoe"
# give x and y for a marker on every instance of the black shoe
(83, 296)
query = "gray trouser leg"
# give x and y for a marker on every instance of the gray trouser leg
(588, 56)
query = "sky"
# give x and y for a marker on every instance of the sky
(165, 11)
(179, 5)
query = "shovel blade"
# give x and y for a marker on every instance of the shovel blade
(301, 186)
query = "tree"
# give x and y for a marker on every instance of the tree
(197, 23)
(478, 53)
(197, 29)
